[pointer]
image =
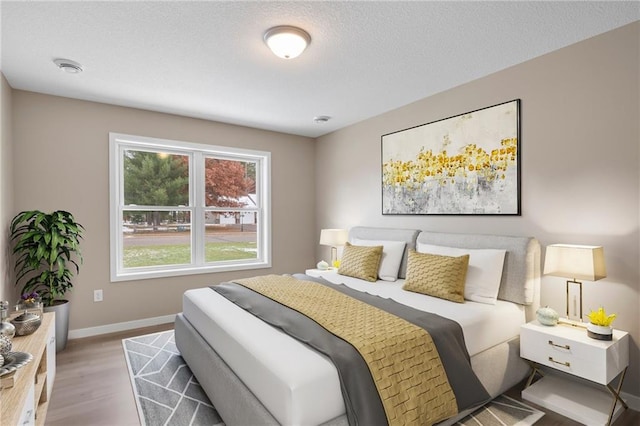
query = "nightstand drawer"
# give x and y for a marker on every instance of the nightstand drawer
(570, 350)
(559, 353)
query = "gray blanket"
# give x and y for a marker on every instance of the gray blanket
(362, 402)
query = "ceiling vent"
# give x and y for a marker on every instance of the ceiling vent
(68, 65)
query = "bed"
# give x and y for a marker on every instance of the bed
(256, 375)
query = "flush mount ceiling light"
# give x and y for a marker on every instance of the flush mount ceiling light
(287, 42)
(68, 65)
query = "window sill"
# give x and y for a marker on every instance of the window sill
(165, 273)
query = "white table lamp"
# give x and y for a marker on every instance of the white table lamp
(334, 238)
(578, 263)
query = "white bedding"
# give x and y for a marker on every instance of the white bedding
(289, 379)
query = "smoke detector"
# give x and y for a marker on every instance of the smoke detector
(321, 119)
(68, 65)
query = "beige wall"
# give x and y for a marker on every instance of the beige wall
(61, 162)
(580, 162)
(7, 291)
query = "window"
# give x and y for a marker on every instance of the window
(182, 208)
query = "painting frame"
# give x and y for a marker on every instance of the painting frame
(466, 164)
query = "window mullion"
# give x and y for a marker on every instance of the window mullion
(197, 193)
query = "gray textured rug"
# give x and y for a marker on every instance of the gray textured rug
(167, 393)
(165, 390)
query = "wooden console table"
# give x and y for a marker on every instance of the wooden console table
(27, 401)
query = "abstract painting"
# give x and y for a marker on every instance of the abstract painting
(468, 164)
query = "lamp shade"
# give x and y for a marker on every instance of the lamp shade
(575, 261)
(333, 237)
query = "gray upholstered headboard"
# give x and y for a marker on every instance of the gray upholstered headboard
(388, 234)
(521, 271)
(521, 274)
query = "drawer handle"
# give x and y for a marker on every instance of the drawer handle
(566, 364)
(567, 347)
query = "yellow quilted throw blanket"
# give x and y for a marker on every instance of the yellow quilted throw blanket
(403, 360)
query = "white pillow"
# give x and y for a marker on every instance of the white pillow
(483, 275)
(392, 252)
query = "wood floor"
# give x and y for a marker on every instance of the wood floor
(92, 386)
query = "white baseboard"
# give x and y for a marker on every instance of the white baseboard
(120, 326)
(632, 401)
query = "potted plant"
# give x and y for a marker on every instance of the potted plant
(599, 326)
(47, 250)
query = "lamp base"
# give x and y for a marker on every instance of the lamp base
(334, 255)
(572, 323)
(574, 300)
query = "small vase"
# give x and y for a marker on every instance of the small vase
(599, 332)
(33, 303)
(322, 265)
(6, 328)
(5, 345)
(547, 316)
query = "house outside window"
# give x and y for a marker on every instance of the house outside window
(180, 208)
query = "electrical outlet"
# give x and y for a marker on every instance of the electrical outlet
(97, 295)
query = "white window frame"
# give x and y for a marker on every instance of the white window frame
(119, 142)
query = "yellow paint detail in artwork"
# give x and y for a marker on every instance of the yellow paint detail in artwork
(471, 162)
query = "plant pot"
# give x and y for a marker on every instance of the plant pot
(599, 332)
(61, 308)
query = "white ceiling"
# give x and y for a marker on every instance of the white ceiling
(208, 59)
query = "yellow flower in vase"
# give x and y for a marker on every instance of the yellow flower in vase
(599, 326)
(601, 318)
(336, 264)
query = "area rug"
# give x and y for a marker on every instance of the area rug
(165, 390)
(167, 393)
(503, 411)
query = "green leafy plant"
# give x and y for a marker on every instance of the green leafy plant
(601, 318)
(47, 249)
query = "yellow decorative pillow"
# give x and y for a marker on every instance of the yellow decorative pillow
(438, 276)
(360, 262)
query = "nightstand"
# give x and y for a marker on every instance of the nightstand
(568, 349)
(319, 272)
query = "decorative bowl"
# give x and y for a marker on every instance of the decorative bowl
(14, 361)
(26, 323)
